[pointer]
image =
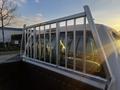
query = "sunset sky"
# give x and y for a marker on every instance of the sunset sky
(34, 11)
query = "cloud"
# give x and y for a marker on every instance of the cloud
(28, 20)
(18, 2)
(19, 21)
(37, 1)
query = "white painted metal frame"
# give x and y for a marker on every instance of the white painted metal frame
(84, 46)
(39, 44)
(27, 32)
(64, 70)
(66, 49)
(74, 44)
(34, 42)
(98, 41)
(57, 44)
(44, 43)
(50, 42)
(30, 42)
(25, 41)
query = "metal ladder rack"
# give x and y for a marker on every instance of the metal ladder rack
(33, 47)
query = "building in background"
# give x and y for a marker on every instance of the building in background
(9, 32)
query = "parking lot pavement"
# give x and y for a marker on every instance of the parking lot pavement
(5, 58)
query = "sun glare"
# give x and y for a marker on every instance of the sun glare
(117, 27)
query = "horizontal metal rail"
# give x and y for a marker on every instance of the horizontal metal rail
(59, 20)
(85, 78)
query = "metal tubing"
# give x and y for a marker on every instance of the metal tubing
(39, 45)
(25, 39)
(57, 44)
(74, 45)
(66, 52)
(34, 45)
(31, 44)
(50, 41)
(84, 46)
(59, 20)
(44, 43)
(27, 42)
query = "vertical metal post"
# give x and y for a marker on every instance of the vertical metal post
(50, 41)
(39, 44)
(57, 44)
(31, 43)
(84, 46)
(25, 38)
(34, 40)
(44, 43)
(66, 52)
(36, 44)
(27, 42)
(74, 45)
